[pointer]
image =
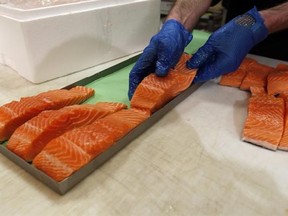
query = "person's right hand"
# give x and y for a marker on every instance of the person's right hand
(162, 53)
(227, 47)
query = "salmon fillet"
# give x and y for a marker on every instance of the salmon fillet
(265, 121)
(66, 154)
(256, 76)
(277, 82)
(283, 95)
(283, 145)
(258, 91)
(282, 67)
(234, 79)
(154, 92)
(181, 64)
(15, 113)
(31, 137)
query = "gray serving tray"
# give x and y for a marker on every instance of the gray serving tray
(65, 185)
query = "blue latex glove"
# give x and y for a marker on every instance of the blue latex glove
(226, 48)
(162, 53)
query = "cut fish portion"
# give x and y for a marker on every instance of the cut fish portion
(31, 137)
(234, 79)
(15, 113)
(256, 76)
(282, 67)
(181, 64)
(258, 91)
(113, 127)
(265, 121)
(246, 63)
(277, 82)
(67, 153)
(64, 97)
(283, 95)
(283, 145)
(154, 92)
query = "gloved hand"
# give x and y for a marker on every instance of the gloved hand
(162, 53)
(226, 48)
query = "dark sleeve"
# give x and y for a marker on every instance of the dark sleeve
(214, 2)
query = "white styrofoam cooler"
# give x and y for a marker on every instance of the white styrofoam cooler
(45, 43)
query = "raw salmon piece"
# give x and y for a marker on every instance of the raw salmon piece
(283, 145)
(63, 97)
(245, 64)
(154, 92)
(258, 91)
(277, 82)
(181, 64)
(282, 67)
(183, 80)
(256, 76)
(265, 121)
(234, 79)
(67, 153)
(31, 137)
(283, 95)
(99, 136)
(15, 113)
(147, 97)
(61, 159)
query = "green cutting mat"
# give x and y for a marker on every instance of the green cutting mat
(114, 87)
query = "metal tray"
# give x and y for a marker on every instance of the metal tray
(65, 185)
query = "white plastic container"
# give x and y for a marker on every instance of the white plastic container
(45, 43)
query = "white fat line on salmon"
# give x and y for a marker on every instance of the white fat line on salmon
(10, 111)
(65, 139)
(56, 162)
(47, 100)
(30, 126)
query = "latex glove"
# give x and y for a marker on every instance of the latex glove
(162, 53)
(226, 48)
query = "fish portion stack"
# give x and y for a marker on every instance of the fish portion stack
(267, 120)
(59, 136)
(31, 137)
(66, 154)
(16, 113)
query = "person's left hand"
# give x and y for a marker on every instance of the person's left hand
(226, 48)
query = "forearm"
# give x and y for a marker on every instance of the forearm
(188, 12)
(276, 18)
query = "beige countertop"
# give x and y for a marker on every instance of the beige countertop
(191, 162)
